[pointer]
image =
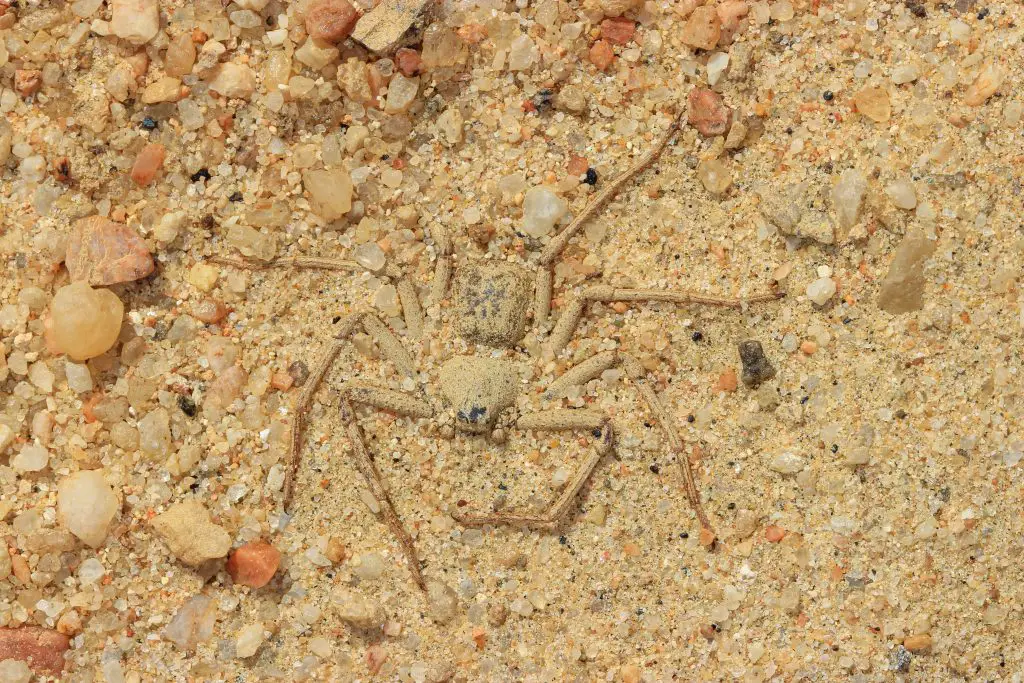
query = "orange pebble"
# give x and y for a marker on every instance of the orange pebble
(774, 534)
(726, 381)
(809, 347)
(601, 54)
(149, 161)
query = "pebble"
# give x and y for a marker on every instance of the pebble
(905, 73)
(629, 673)
(714, 176)
(330, 192)
(618, 30)
(356, 609)
(542, 208)
(335, 551)
(90, 571)
(164, 89)
(442, 602)
(756, 366)
(727, 381)
(149, 161)
(369, 566)
(615, 8)
(873, 102)
(847, 196)
(717, 64)
(234, 80)
(774, 534)
(190, 535)
(102, 252)
(902, 194)
(31, 458)
(254, 564)
(370, 256)
(86, 505)
(193, 624)
(27, 82)
(402, 92)
(601, 55)
(902, 289)
(203, 276)
(787, 463)
(408, 61)
(708, 113)
(918, 642)
(14, 671)
(702, 29)
(572, 99)
(181, 56)
(7, 436)
(249, 640)
(41, 648)
(821, 290)
(137, 21)
(79, 378)
(86, 321)
(984, 86)
(155, 433)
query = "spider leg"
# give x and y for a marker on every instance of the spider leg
(554, 248)
(411, 310)
(366, 466)
(363, 393)
(443, 269)
(554, 420)
(598, 363)
(574, 311)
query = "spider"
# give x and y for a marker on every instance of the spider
(490, 309)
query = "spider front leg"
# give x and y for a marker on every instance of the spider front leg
(578, 306)
(592, 421)
(412, 312)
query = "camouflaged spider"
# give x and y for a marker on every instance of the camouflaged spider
(478, 392)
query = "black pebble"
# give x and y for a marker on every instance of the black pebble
(187, 405)
(827, 95)
(148, 123)
(201, 174)
(591, 176)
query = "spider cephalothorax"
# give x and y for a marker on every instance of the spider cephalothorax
(491, 307)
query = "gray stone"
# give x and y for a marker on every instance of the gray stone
(756, 367)
(902, 289)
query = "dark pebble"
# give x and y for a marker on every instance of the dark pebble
(756, 367)
(899, 659)
(187, 405)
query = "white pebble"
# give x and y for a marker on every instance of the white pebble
(249, 640)
(30, 458)
(787, 463)
(821, 290)
(79, 377)
(542, 208)
(369, 566)
(86, 505)
(902, 194)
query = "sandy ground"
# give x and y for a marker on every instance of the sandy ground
(865, 500)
